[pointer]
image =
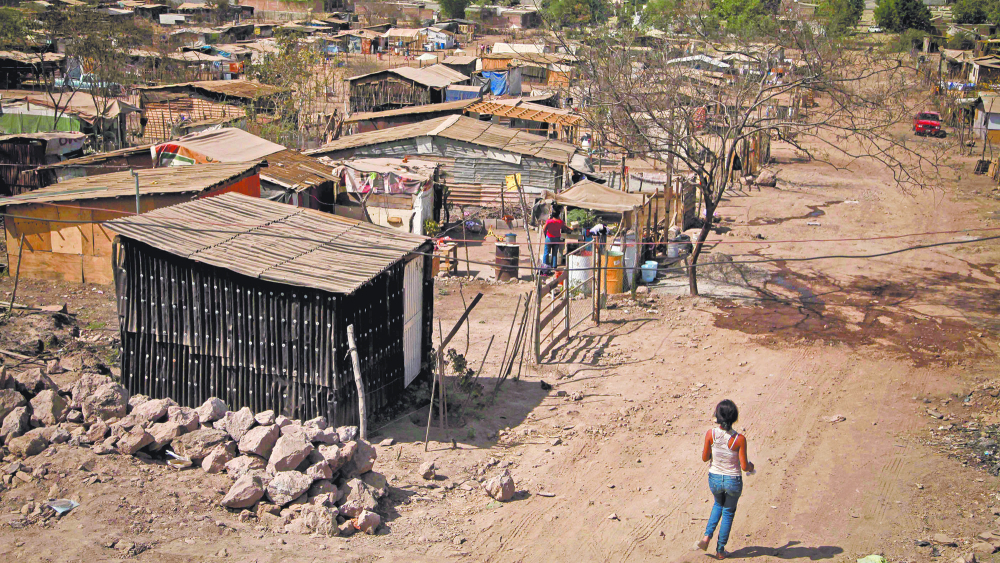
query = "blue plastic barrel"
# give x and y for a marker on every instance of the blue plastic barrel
(649, 271)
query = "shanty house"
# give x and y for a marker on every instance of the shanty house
(64, 239)
(465, 64)
(289, 177)
(986, 119)
(21, 156)
(517, 113)
(985, 69)
(397, 193)
(167, 106)
(253, 308)
(401, 87)
(373, 121)
(476, 156)
(137, 157)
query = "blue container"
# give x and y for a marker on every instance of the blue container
(649, 271)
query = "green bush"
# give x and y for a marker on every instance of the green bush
(584, 217)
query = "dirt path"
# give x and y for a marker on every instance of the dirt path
(876, 341)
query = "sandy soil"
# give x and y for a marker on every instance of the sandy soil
(877, 341)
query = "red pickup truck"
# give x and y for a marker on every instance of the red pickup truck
(928, 123)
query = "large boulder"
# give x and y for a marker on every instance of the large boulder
(356, 497)
(287, 486)
(135, 440)
(348, 433)
(16, 423)
(337, 456)
(314, 519)
(108, 401)
(220, 456)
(153, 410)
(500, 487)
(361, 462)
(164, 433)
(185, 417)
(244, 464)
(289, 452)
(240, 423)
(97, 432)
(320, 470)
(10, 399)
(244, 493)
(33, 381)
(326, 436)
(211, 410)
(86, 385)
(198, 444)
(47, 408)
(264, 418)
(260, 440)
(31, 443)
(367, 522)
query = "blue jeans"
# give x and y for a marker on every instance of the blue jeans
(727, 492)
(551, 251)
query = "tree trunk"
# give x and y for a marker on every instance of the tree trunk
(696, 252)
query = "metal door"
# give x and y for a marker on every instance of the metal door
(413, 314)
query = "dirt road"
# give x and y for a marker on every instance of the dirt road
(876, 341)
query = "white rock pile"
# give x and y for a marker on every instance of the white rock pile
(302, 477)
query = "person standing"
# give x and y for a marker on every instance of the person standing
(727, 450)
(553, 230)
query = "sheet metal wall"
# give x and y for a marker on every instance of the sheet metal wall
(191, 331)
(465, 163)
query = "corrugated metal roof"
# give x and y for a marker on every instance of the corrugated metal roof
(152, 181)
(460, 60)
(434, 76)
(456, 106)
(272, 241)
(296, 171)
(232, 88)
(98, 158)
(460, 128)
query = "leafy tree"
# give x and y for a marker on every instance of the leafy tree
(568, 13)
(662, 14)
(746, 16)
(13, 27)
(900, 15)
(962, 41)
(454, 8)
(841, 15)
(969, 12)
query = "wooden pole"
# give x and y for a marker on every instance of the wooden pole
(17, 276)
(566, 299)
(527, 232)
(465, 243)
(537, 339)
(430, 408)
(598, 288)
(506, 346)
(441, 396)
(356, 363)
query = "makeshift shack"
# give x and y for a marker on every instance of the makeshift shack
(517, 113)
(624, 214)
(21, 156)
(165, 107)
(476, 156)
(137, 157)
(392, 192)
(63, 236)
(289, 177)
(364, 122)
(401, 87)
(254, 308)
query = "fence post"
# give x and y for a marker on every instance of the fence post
(566, 299)
(362, 410)
(538, 317)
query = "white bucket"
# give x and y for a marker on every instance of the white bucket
(673, 249)
(581, 270)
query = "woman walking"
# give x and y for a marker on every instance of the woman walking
(727, 449)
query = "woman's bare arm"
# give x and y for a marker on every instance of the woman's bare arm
(741, 445)
(706, 450)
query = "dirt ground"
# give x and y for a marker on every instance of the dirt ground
(879, 342)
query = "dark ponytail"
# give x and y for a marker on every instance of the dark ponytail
(726, 414)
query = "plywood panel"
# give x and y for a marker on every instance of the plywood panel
(97, 269)
(37, 232)
(52, 266)
(72, 238)
(111, 209)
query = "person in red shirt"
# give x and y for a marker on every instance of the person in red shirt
(553, 230)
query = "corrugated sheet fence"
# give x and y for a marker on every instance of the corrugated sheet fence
(192, 331)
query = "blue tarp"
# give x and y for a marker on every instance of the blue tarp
(498, 82)
(452, 94)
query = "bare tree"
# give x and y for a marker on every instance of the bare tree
(706, 106)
